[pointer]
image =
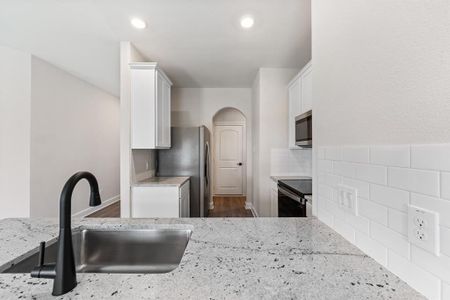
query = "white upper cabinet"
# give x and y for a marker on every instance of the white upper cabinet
(294, 109)
(306, 81)
(300, 99)
(150, 106)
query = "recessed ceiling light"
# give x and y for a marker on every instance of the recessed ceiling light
(138, 23)
(247, 21)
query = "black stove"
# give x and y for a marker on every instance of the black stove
(291, 197)
(300, 187)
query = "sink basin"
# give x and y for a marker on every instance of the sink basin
(123, 251)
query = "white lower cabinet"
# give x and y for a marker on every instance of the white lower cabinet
(160, 201)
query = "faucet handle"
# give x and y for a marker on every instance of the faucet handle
(41, 254)
(42, 270)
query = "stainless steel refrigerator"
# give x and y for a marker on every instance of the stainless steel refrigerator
(189, 156)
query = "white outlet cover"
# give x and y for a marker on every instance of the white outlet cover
(348, 198)
(423, 229)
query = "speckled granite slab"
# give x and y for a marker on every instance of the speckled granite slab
(243, 258)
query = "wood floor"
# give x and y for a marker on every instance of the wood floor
(111, 211)
(226, 207)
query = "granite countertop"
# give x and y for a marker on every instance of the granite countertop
(276, 178)
(261, 258)
(162, 181)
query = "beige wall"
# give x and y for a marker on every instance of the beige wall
(74, 127)
(15, 79)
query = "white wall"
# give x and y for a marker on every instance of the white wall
(74, 127)
(270, 103)
(381, 73)
(133, 164)
(15, 86)
(255, 140)
(197, 106)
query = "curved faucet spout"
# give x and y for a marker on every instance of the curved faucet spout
(63, 272)
(65, 202)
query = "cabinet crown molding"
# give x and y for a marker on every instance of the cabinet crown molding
(150, 66)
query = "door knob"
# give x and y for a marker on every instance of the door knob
(239, 164)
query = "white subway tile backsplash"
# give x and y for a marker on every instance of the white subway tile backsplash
(333, 153)
(373, 211)
(389, 197)
(436, 157)
(434, 204)
(321, 152)
(425, 182)
(388, 178)
(371, 247)
(290, 162)
(395, 156)
(344, 169)
(423, 281)
(333, 180)
(325, 217)
(371, 173)
(445, 185)
(322, 177)
(360, 223)
(445, 241)
(398, 221)
(359, 154)
(325, 166)
(390, 239)
(344, 229)
(325, 192)
(437, 265)
(361, 186)
(446, 290)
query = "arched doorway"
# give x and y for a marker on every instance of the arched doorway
(230, 157)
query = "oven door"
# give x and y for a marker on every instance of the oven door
(303, 129)
(289, 204)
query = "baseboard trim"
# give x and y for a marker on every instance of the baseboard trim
(249, 205)
(91, 210)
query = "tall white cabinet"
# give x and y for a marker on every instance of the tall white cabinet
(150, 106)
(300, 99)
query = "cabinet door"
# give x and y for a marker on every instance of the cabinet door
(185, 200)
(143, 109)
(306, 89)
(155, 202)
(159, 109)
(294, 110)
(163, 112)
(166, 114)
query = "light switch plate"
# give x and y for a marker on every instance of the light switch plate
(348, 198)
(423, 229)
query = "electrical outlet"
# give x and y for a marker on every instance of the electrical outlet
(423, 229)
(347, 198)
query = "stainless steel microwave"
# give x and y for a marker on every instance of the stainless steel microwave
(303, 129)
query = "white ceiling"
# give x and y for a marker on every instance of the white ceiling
(199, 43)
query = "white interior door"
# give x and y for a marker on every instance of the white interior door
(228, 159)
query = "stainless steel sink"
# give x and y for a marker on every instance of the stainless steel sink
(123, 251)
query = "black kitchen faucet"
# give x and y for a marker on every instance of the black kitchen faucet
(63, 272)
